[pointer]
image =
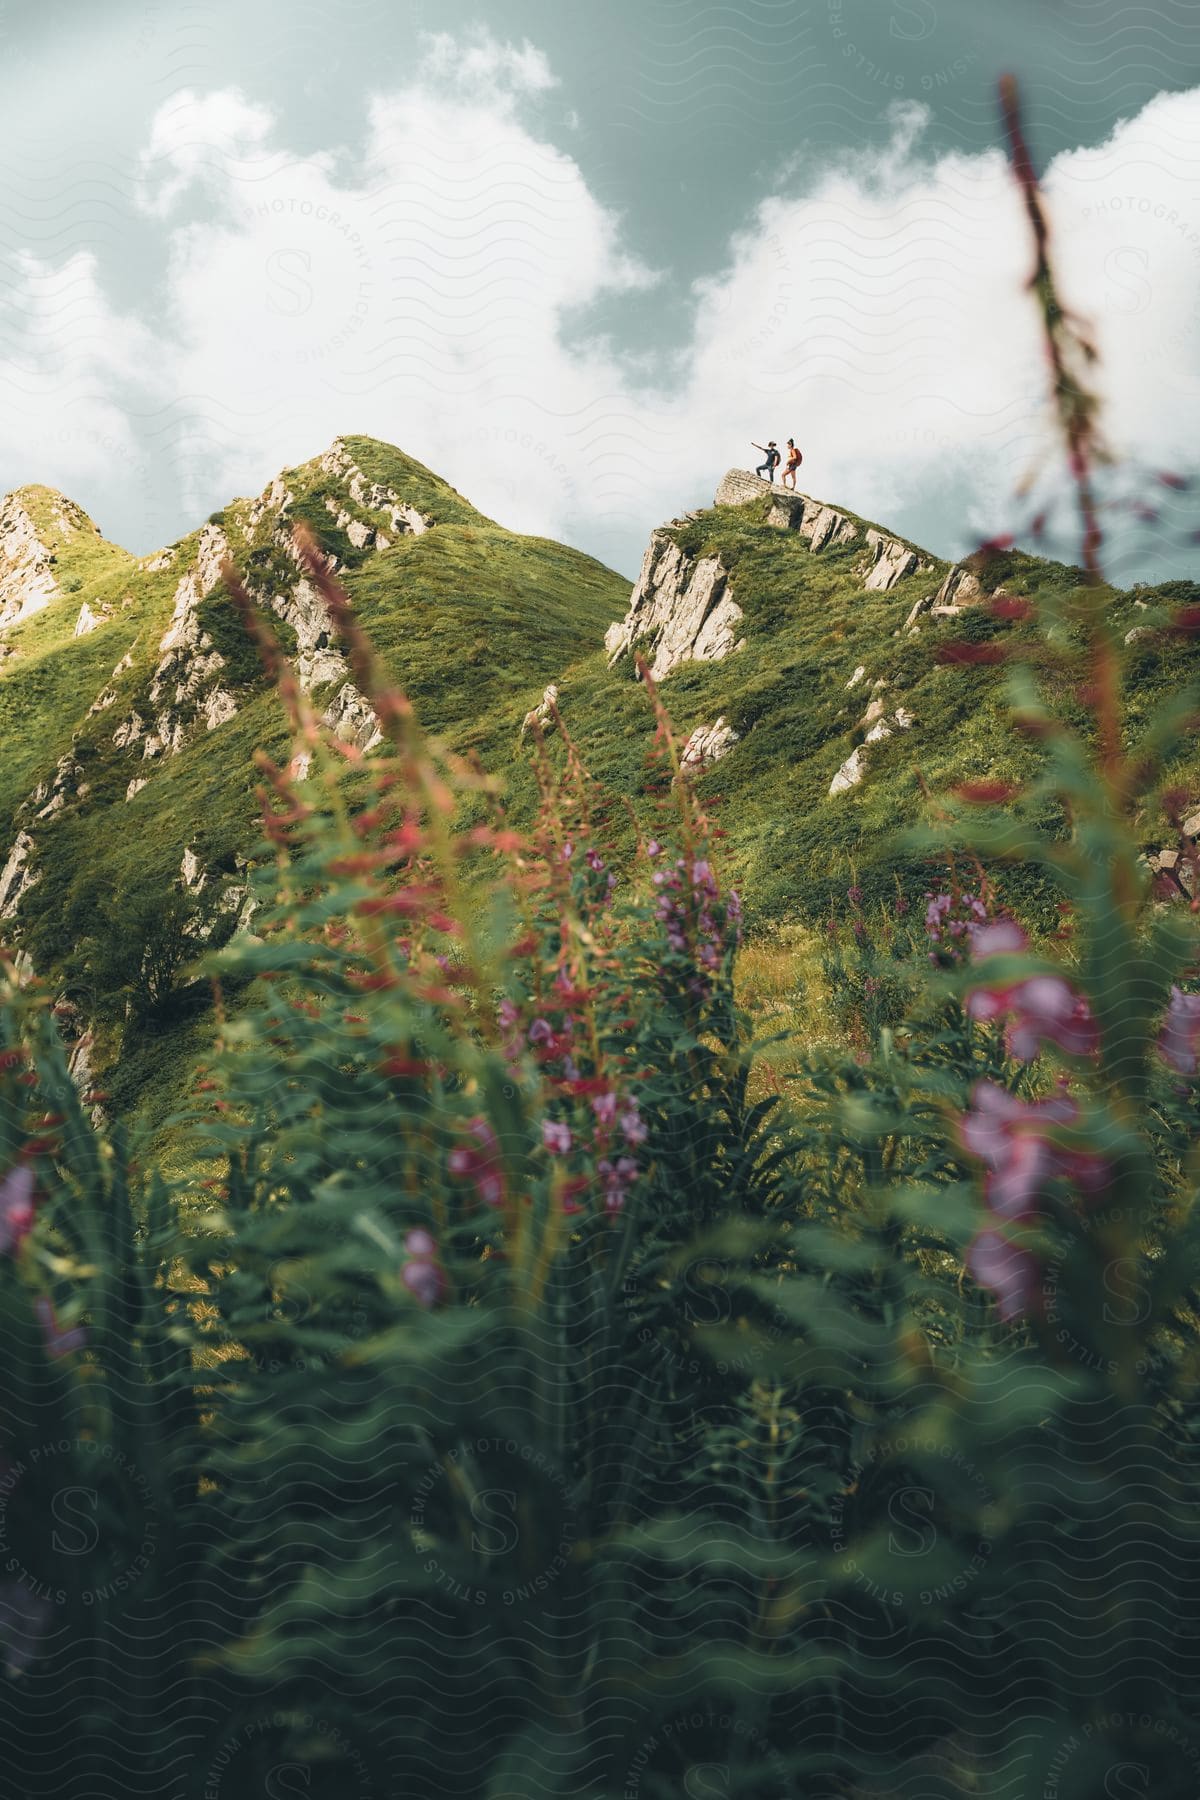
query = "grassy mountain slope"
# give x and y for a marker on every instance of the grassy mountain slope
(130, 748)
(809, 625)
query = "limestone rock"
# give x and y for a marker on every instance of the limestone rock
(191, 872)
(351, 717)
(680, 606)
(960, 588)
(87, 621)
(850, 773)
(27, 583)
(707, 745)
(1138, 632)
(154, 564)
(136, 786)
(824, 525)
(893, 560)
(318, 660)
(917, 610)
(739, 486)
(856, 677)
(16, 877)
(786, 511)
(542, 713)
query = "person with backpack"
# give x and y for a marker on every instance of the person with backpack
(772, 462)
(795, 458)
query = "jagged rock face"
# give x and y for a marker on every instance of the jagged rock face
(87, 621)
(53, 796)
(182, 689)
(317, 660)
(373, 495)
(680, 606)
(17, 877)
(960, 588)
(707, 745)
(351, 717)
(27, 583)
(893, 560)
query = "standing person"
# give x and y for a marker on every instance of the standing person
(772, 456)
(794, 459)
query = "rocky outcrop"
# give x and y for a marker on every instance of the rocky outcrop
(27, 582)
(893, 560)
(878, 725)
(787, 511)
(374, 496)
(707, 745)
(17, 876)
(541, 714)
(52, 796)
(351, 717)
(961, 588)
(680, 610)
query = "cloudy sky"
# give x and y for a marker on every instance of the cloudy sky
(576, 256)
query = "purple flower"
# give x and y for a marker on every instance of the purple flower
(16, 1208)
(507, 1013)
(425, 1281)
(540, 1032)
(556, 1136)
(605, 1108)
(854, 895)
(1011, 1272)
(594, 861)
(633, 1126)
(654, 848)
(1010, 1137)
(1181, 1032)
(420, 1243)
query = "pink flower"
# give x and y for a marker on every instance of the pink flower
(16, 1208)
(556, 1136)
(654, 848)
(1011, 1272)
(633, 1125)
(420, 1243)
(1044, 1009)
(1012, 1139)
(540, 1032)
(480, 1165)
(425, 1281)
(1181, 1032)
(605, 1108)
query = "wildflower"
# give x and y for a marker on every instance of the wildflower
(16, 1208)
(480, 1162)
(1010, 1137)
(540, 1032)
(594, 861)
(425, 1281)
(1181, 1032)
(1042, 1009)
(420, 1243)
(1008, 1270)
(654, 848)
(633, 1126)
(605, 1108)
(556, 1136)
(854, 895)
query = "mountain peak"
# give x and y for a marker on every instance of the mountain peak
(44, 536)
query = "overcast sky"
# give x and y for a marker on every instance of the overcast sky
(575, 257)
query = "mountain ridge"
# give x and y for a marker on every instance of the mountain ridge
(798, 644)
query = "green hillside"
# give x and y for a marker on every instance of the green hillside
(127, 785)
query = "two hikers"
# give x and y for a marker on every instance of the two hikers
(771, 452)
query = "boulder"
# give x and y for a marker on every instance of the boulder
(351, 717)
(739, 486)
(893, 560)
(850, 773)
(542, 713)
(707, 745)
